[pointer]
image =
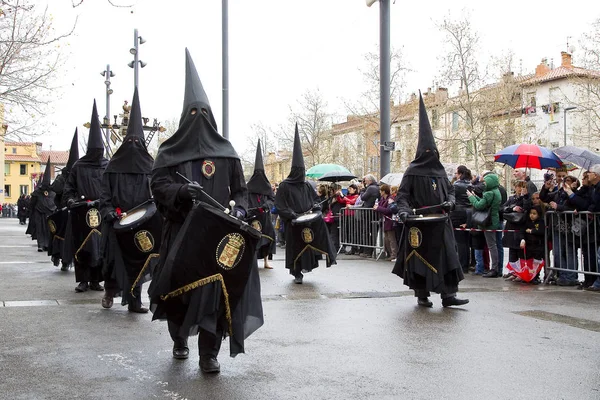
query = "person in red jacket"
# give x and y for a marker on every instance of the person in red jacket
(348, 201)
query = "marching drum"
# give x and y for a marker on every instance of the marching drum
(427, 218)
(139, 233)
(307, 219)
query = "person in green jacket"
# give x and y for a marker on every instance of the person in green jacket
(491, 199)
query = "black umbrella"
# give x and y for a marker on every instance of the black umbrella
(336, 176)
(578, 156)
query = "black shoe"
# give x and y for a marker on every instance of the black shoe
(454, 301)
(82, 287)
(491, 274)
(298, 279)
(181, 351)
(107, 300)
(96, 286)
(424, 302)
(209, 364)
(40, 249)
(138, 309)
(64, 267)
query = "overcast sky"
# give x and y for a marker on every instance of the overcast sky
(277, 50)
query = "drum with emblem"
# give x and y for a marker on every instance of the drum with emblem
(309, 232)
(85, 226)
(57, 226)
(139, 233)
(260, 220)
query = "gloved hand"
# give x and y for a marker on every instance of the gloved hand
(94, 203)
(447, 206)
(70, 203)
(194, 190)
(111, 216)
(239, 212)
(402, 216)
(316, 207)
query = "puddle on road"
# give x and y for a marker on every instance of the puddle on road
(562, 319)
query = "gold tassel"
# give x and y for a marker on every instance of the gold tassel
(85, 241)
(150, 257)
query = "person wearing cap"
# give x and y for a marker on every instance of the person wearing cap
(198, 168)
(84, 184)
(594, 180)
(427, 258)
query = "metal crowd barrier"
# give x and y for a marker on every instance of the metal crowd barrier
(575, 238)
(361, 227)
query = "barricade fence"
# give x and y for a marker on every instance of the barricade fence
(572, 240)
(361, 227)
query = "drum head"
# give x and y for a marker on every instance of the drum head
(133, 217)
(307, 217)
(428, 217)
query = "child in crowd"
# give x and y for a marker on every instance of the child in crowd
(534, 244)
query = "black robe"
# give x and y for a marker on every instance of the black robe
(427, 257)
(43, 207)
(227, 183)
(292, 200)
(84, 183)
(260, 206)
(123, 191)
(58, 187)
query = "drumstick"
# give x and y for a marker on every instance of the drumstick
(425, 208)
(219, 205)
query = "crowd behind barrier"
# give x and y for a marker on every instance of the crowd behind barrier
(361, 228)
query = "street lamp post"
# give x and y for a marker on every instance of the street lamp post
(135, 50)
(565, 123)
(107, 75)
(225, 66)
(384, 85)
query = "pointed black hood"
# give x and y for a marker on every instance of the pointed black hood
(94, 155)
(259, 183)
(132, 157)
(197, 136)
(73, 152)
(38, 184)
(46, 177)
(298, 172)
(427, 160)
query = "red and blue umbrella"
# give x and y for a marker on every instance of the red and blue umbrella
(528, 156)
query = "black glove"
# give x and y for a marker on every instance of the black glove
(316, 207)
(239, 212)
(70, 203)
(402, 216)
(194, 190)
(111, 216)
(94, 203)
(447, 206)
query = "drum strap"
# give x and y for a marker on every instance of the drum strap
(309, 247)
(89, 236)
(202, 282)
(150, 257)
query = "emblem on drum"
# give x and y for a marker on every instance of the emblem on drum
(256, 225)
(415, 237)
(52, 226)
(307, 235)
(208, 169)
(230, 250)
(92, 218)
(144, 241)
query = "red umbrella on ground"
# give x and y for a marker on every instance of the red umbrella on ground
(526, 268)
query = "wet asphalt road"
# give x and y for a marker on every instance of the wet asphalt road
(350, 332)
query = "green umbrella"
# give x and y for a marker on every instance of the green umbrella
(320, 169)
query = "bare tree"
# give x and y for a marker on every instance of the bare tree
(267, 142)
(30, 55)
(586, 96)
(314, 122)
(460, 69)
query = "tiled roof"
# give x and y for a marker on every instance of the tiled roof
(18, 157)
(19, 143)
(56, 157)
(562, 73)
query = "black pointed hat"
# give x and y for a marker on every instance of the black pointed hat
(132, 157)
(47, 173)
(73, 152)
(197, 137)
(298, 172)
(95, 135)
(427, 160)
(259, 183)
(38, 184)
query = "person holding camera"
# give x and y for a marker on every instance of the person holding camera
(490, 200)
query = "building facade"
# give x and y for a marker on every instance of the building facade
(22, 167)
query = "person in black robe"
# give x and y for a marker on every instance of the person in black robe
(83, 189)
(42, 206)
(125, 185)
(61, 215)
(211, 167)
(427, 259)
(261, 200)
(22, 210)
(296, 197)
(31, 226)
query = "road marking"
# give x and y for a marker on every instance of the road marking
(30, 303)
(10, 247)
(586, 324)
(25, 262)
